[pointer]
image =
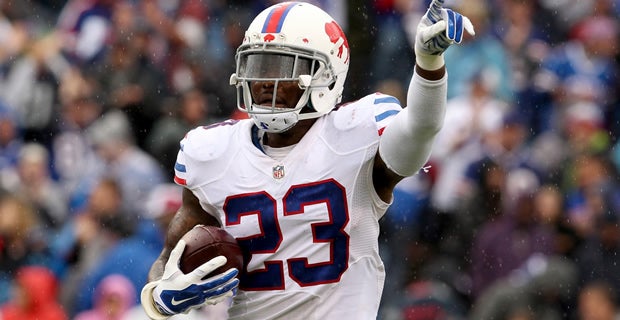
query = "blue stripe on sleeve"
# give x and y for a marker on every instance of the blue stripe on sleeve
(385, 115)
(179, 167)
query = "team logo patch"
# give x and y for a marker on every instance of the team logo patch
(278, 172)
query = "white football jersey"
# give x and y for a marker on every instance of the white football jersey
(308, 224)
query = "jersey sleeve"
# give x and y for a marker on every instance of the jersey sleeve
(385, 108)
(180, 171)
(199, 151)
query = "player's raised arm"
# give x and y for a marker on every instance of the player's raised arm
(406, 142)
(170, 291)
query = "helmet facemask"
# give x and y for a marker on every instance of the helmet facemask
(278, 64)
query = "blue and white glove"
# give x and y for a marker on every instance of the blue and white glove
(177, 292)
(438, 29)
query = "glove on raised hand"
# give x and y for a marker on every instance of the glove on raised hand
(177, 292)
(438, 29)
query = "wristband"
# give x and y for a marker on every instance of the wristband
(429, 62)
(148, 304)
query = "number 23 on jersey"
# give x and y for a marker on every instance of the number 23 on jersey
(328, 192)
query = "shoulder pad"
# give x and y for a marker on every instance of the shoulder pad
(374, 108)
(208, 142)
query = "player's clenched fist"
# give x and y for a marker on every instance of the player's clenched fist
(438, 29)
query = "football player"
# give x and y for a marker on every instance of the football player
(301, 184)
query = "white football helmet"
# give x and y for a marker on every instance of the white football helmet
(292, 41)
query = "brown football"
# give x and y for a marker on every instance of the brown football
(206, 242)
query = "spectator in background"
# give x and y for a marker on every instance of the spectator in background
(224, 36)
(585, 132)
(167, 132)
(182, 26)
(85, 27)
(582, 70)
(136, 171)
(527, 44)
(470, 119)
(11, 141)
(591, 191)
(400, 229)
(114, 296)
(75, 161)
(503, 245)
(13, 34)
(550, 208)
(483, 54)
(132, 257)
(394, 45)
(485, 202)
(562, 16)
(21, 240)
(128, 78)
(598, 300)
(597, 256)
(34, 296)
(524, 40)
(615, 156)
(540, 289)
(430, 300)
(506, 147)
(580, 131)
(85, 239)
(457, 231)
(36, 184)
(30, 88)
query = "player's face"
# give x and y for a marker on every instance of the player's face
(283, 67)
(287, 95)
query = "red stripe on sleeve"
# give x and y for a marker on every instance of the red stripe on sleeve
(180, 181)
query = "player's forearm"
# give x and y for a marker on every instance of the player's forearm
(157, 269)
(176, 229)
(189, 215)
(180, 224)
(407, 141)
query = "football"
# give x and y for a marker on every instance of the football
(206, 242)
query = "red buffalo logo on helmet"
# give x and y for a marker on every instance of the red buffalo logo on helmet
(269, 37)
(335, 33)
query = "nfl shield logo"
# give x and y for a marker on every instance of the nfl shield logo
(278, 172)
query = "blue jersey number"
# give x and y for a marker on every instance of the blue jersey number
(328, 192)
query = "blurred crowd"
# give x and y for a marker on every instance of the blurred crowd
(516, 215)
